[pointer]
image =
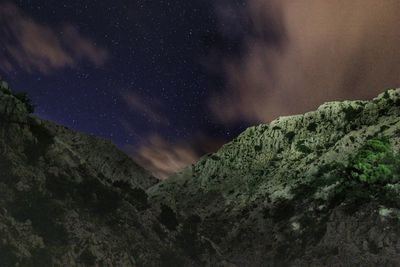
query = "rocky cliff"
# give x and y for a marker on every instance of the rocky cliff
(319, 189)
(69, 199)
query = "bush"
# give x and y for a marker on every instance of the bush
(300, 146)
(376, 162)
(188, 237)
(44, 213)
(169, 258)
(136, 196)
(97, 197)
(23, 97)
(168, 217)
(35, 150)
(351, 113)
(290, 136)
(312, 127)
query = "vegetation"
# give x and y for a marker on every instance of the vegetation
(37, 148)
(352, 113)
(376, 162)
(44, 213)
(168, 217)
(24, 98)
(372, 174)
(290, 136)
(188, 237)
(300, 146)
(312, 127)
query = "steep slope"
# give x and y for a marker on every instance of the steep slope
(319, 189)
(68, 199)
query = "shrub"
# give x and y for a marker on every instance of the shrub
(8, 256)
(376, 162)
(300, 146)
(23, 97)
(188, 236)
(170, 258)
(44, 139)
(392, 194)
(168, 217)
(44, 213)
(312, 127)
(290, 136)
(136, 196)
(215, 157)
(97, 197)
(351, 113)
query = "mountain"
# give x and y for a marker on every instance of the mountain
(319, 189)
(67, 198)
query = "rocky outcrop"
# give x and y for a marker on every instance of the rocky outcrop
(319, 189)
(69, 199)
(288, 194)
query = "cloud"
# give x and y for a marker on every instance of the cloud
(317, 51)
(145, 107)
(163, 158)
(32, 47)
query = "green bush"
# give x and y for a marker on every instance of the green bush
(376, 162)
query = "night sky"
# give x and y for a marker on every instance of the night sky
(168, 81)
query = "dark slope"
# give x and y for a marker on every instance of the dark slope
(68, 199)
(319, 189)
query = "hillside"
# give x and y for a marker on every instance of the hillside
(300, 191)
(319, 189)
(69, 199)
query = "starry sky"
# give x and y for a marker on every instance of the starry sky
(171, 80)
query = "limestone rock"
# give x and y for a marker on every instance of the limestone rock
(296, 192)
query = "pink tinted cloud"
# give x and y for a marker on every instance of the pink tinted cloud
(163, 158)
(332, 50)
(30, 46)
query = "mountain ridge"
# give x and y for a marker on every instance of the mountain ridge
(265, 168)
(317, 189)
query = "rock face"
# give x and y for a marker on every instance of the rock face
(319, 189)
(300, 191)
(68, 199)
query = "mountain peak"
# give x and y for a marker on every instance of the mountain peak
(317, 189)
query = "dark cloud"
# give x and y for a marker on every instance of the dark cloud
(298, 54)
(30, 46)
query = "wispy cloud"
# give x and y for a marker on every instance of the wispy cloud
(164, 158)
(326, 50)
(146, 107)
(30, 46)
